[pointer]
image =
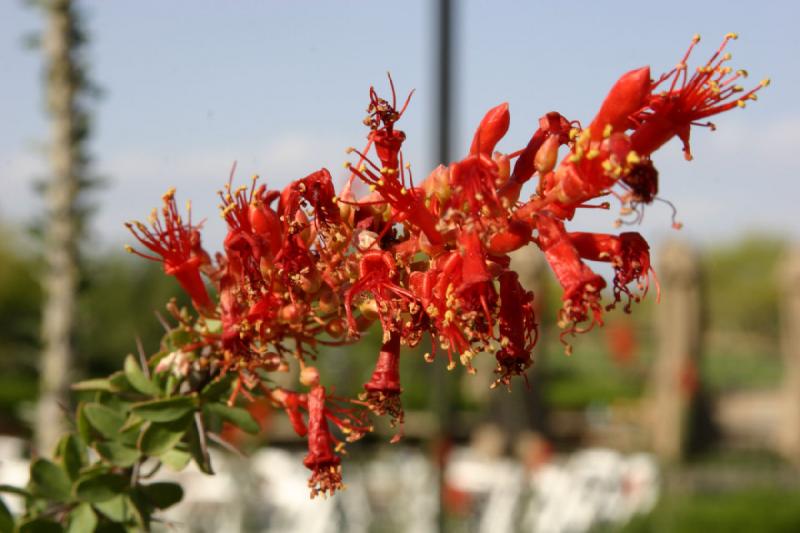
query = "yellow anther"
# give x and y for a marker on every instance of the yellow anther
(607, 165)
(696, 38)
(349, 150)
(633, 158)
(607, 131)
(738, 88)
(129, 248)
(764, 82)
(347, 164)
(372, 188)
(732, 35)
(169, 194)
(403, 190)
(727, 56)
(254, 177)
(407, 166)
(384, 170)
(381, 183)
(742, 72)
(573, 133)
(680, 66)
(753, 97)
(451, 365)
(594, 152)
(362, 168)
(335, 199)
(740, 103)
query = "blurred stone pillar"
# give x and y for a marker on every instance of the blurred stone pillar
(789, 429)
(675, 378)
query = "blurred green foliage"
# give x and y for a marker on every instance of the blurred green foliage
(762, 510)
(118, 297)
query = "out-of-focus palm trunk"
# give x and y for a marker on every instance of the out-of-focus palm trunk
(61, 227)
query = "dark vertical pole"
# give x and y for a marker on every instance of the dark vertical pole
(443, 29)
(444, 74)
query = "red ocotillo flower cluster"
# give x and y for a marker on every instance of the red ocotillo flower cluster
(305, 266)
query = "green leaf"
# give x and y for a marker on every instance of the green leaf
(162, 494)
(119, 382)
(161, 437)
(117, 454)
(115, 509)
(137, 379)
(50, 480)
(82, 519)
(237, 416)
(165, 410)
(82, 424)
(104, 419)
(6, 520)
(40, 525)
(101, 384)
(176, 459)
(218, 388)
(70, 454)
(100, 487)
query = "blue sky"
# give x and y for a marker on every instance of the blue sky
(281, 87)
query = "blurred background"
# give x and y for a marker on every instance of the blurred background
(681, 416)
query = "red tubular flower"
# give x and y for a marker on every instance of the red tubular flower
(377, 273)
(581, 286)
(178, 247)
(672, 110)
(326, 472)
(628, 253)
(517, 327)
(383, 390)
(492, 128)
(628, 95)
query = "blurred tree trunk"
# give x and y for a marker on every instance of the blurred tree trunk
(63, 83)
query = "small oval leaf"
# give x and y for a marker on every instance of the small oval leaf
(165, 410)
(50, 480)
(104, 419)
(117, 453)
(162, 494)
(159, 438)
(100, 488)
(82, 519)
(237, 416)
(137, 379)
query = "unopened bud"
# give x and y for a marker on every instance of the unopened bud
(547, 155)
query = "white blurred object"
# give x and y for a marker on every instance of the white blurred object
(592, 487)
(13, 471)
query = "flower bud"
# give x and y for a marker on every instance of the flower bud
(547, 155)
